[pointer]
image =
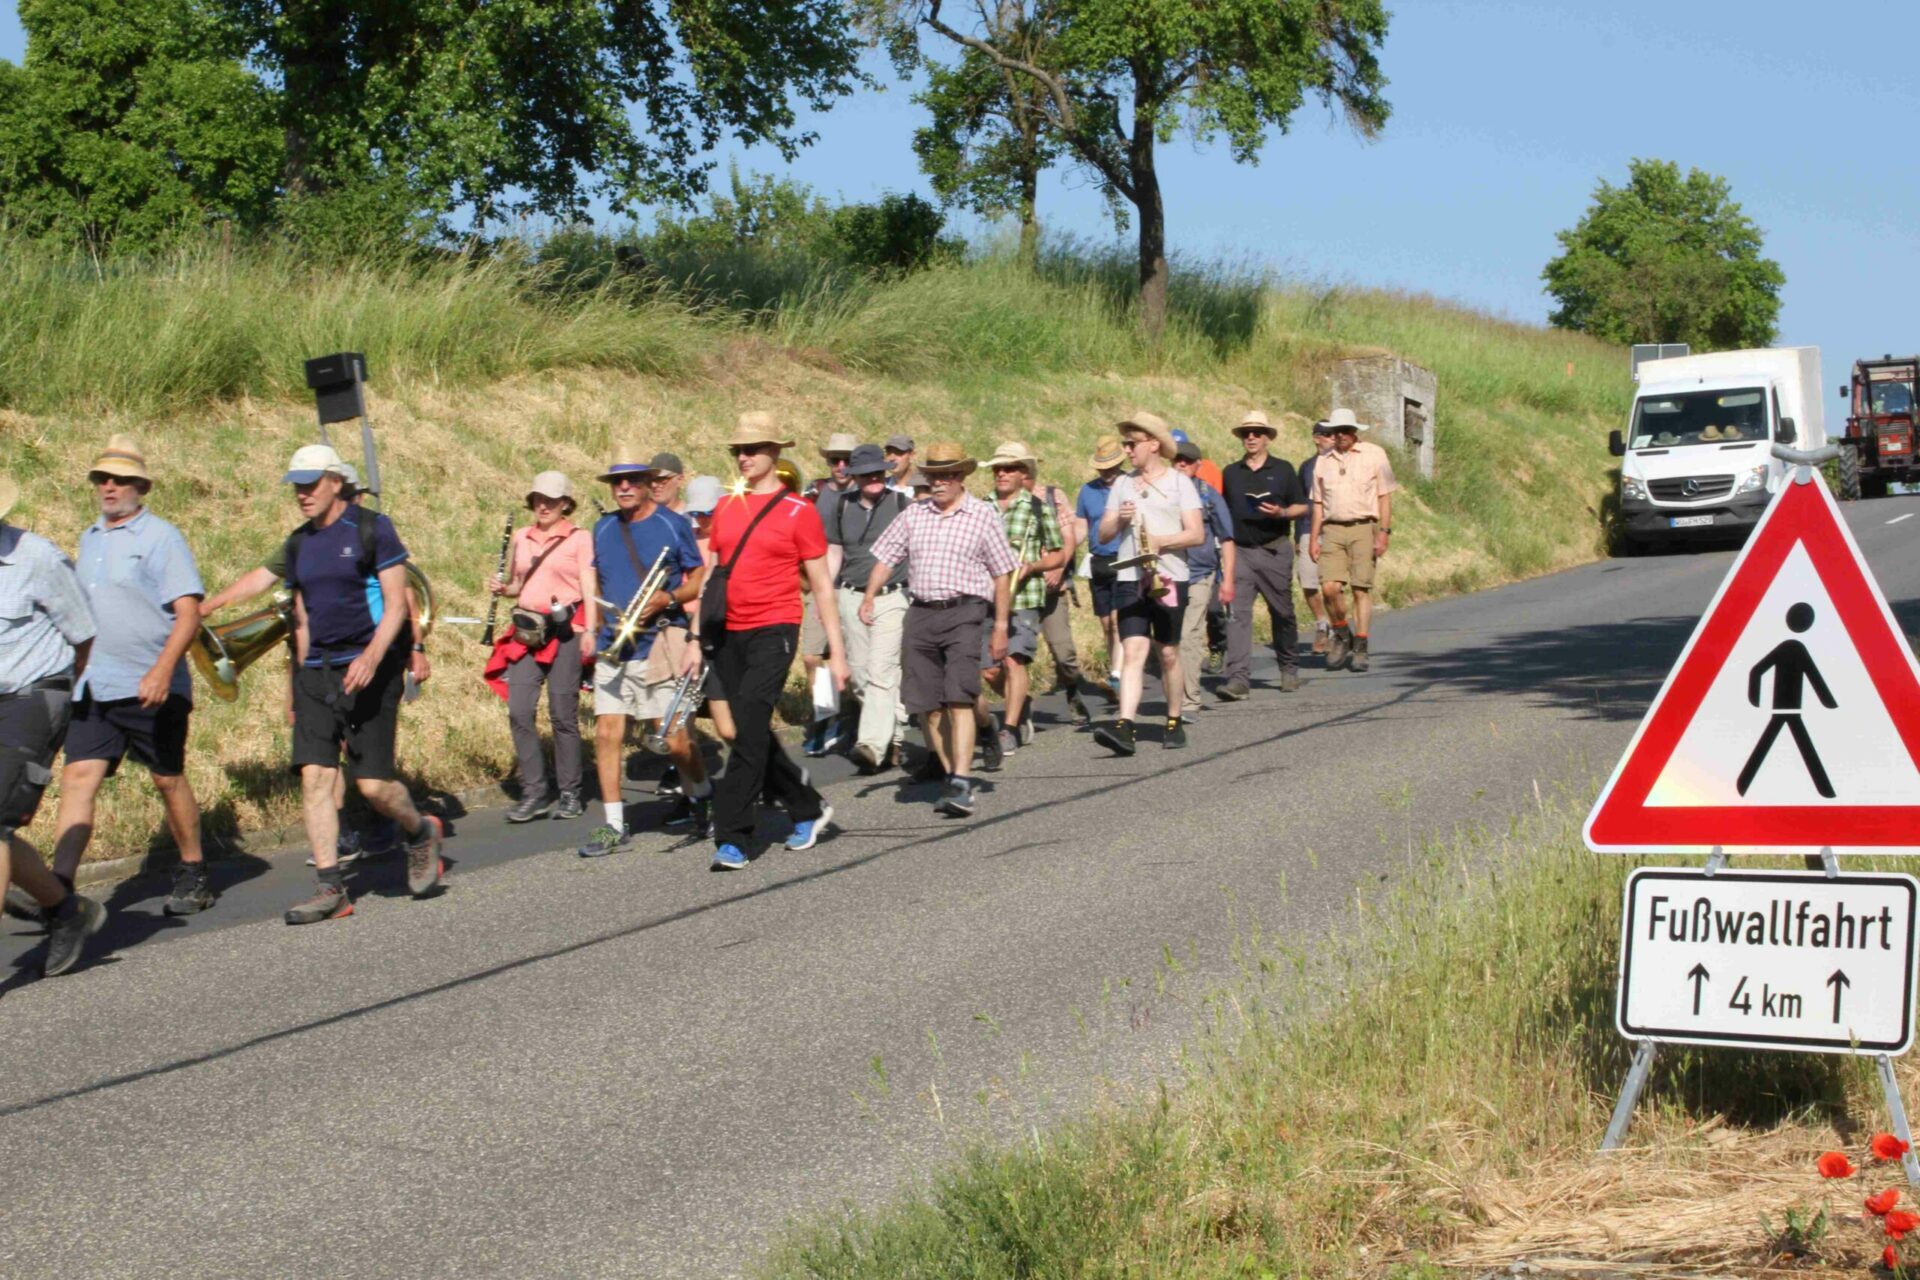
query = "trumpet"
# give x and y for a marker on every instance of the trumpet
(1145, 558)
(632, 619)
(688, 692)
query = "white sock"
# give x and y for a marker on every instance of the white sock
(616, 814)
(1320, 624)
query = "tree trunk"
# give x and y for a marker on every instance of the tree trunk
(1029, 217)
(1153, 228)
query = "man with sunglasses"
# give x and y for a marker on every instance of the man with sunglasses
(136, 696)
(667, 477)
(633, 680)
(764, 539)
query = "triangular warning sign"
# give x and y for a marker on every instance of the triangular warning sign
(1792, 719)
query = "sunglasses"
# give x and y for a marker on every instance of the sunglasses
(631, 482)
(102, 478)
(749, 450)
(1016, 468)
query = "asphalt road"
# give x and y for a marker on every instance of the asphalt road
(635, 1067)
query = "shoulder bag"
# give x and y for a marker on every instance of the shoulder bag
(713, 596)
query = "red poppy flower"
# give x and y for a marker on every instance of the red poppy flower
(1888, 1147)
(1881, 1205)
(1890, 1259)
(1835, 1165)
(1900, 1222)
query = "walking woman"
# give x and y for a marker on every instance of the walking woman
(551, 578)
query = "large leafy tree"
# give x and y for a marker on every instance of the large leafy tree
(1666, 258)
(1115, 78)
(131, 120)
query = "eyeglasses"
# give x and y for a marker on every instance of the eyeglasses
(1135, 444)
(748, 450)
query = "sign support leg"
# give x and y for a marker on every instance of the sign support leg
(1897, 1109)
(1630, 1094)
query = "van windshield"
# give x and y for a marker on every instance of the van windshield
(1699, 417)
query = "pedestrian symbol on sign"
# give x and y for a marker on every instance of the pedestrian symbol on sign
(1792, 667)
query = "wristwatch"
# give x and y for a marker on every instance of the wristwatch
(419, 648)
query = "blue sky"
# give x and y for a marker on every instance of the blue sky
(1505, 117)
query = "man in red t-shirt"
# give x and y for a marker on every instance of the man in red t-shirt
(763, 538)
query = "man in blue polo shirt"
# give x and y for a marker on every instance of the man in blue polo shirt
(136, 696)
(347, 569)
(1109, 459)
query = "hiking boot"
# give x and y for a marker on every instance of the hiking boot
(1216, 662)
(69, 925)
(1358, 660)
(958, 800)
(424, 867)
(1339, 648)
(1175, 736)
(728, 858)
(1077, 711)
(867, 760)
(1319, 639)
(1117, 737)
(568, 807)
(191, 892)
(807, 834)
(530, 807)
(329, 902)
(22, 905)
(1290, 681)
(992, 754)
(689, 812)
(1233, 690)
(606, 838)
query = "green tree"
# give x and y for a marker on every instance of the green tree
(1118, 77)
(1666, 258)
(132, 120)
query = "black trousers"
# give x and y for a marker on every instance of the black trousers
(751, 668)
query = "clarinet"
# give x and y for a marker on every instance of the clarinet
(493, 610)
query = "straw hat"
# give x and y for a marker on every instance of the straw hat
(9, 494)
(1013, 453)
(1255, 420)
(1108, 453)
(945, 458)
(626, 462)
(123, 458)
(1343, 420)
(1155, 426)
(840, 442)
(758, 427)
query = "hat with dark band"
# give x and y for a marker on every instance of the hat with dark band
(122, 459)
(946, 458)
(626, 464)
(758, 427)
(1255, 420)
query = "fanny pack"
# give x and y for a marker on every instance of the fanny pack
(532, 629)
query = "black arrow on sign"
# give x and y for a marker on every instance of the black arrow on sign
(1699, 975)
(1839, 981)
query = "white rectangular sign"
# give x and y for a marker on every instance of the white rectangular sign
(1769, 960)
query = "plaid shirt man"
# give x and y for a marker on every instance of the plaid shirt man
(1032, 531)
(959, 553)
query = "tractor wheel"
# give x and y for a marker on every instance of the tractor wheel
(1849, 474)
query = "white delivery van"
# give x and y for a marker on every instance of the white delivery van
(1697, 457)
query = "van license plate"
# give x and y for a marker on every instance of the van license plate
(1688, 522)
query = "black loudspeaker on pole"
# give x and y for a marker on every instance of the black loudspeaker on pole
(339, 384)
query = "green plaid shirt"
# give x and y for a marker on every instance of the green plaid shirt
(1033, 531)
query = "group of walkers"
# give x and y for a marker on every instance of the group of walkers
(906, 596)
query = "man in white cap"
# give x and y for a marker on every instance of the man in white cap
(825, 734)
(49, 632)
(703, 495)
(347, 569)
(1353, 490)
(136, 697)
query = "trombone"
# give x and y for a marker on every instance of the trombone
(632, 618)
(688, 692)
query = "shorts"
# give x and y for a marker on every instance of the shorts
(1141, 617)
(33, 725)
(154, 736)
(813, 632)
(940, 659)
(1102, 593)
(325, 717)
(1346, 554)
(1023, 637)
(621, 689)
(1305, 571)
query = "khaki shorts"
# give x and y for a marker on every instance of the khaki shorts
(1346, 554)
(813, 633)
(622, 689)
(1305, 571)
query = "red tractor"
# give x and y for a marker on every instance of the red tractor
(1877, 450)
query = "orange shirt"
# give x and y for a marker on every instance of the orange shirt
(558, 577)
(1207, 469)
(1348, 485)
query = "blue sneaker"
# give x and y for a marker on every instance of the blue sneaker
(729, 858)
(806, 834)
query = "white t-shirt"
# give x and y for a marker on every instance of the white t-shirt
(1163, 502)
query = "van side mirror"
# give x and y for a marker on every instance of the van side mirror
(1616, 445)
(1786, 432)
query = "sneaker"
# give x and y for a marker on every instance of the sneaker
(1233, 690)
(567, 807)
(606, 838)
(424, 868)
(992, 754)
(1117, 737)
(867, 760)
(1339, 649)
(76, 919)
(191, 892)
(689, 812)
(958, 800)
(347, 848)
(669, 784)
(1289, 682)
(931, 770)
(1357, 660)
(529, 808)
(22, 905)
(1077, 709)
(1319, 639)
(835, 735)
(1025, 732)
(807, 834)
(814, 744)
(1216, 662)
(329, 902)
(728, 858)
(1175, 737)
(1009, 742)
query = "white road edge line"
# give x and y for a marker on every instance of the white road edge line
(1898, 519)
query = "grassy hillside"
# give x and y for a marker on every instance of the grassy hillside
(486, 371)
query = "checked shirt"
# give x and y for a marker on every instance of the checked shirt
(956, 554)
(1031, 536)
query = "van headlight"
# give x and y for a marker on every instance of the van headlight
(1752, 482)
(1632, 490)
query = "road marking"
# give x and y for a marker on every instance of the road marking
(1898, 519)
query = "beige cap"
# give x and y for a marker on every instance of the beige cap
(1014, 453)
(551, 484)
(840, 442)
(123, 458)
(759, 427)
(9, 495)
(311, 461)
(1154, 425)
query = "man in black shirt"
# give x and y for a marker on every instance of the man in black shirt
(1263, 495)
